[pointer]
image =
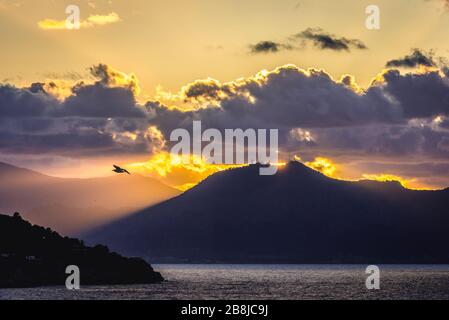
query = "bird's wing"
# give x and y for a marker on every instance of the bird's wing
(116, 167)
(127, 171)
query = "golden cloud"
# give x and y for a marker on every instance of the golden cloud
(181, 172)
(114, 78)
(211, 92)
(90, 22)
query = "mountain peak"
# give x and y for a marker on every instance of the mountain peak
(298, 215)
(299, 167)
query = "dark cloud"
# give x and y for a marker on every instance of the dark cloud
(208, 89)
(100, 101)
(394, 117)
(109, 77)
(290, 97)
(37, 87)
(287, 98)
(98, 118)
(69, 142)
(415, 59)
(324, 40)
(269, 47)
(419, 169)
(409, 142)
(318, 37)
(419, 95)
(444, 123)
(32, 125)
(74, 137)
(31, 102)
(105, 98)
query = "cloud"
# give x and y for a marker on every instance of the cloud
(318, 37)
(269, 46)
(30, 102)
(415, 59)
(393, 118)
(408, 141)
(287, 97)
(110, 77)
(401, 116)
(290, 98)
(112, 95)
(98, 100)
(205, 90)
(99, 20)
(302, 135)
(420, 95)
(90, 22)
(50, 24)
(325, 166)
(177, 171)
(95, 118)
(326, 41)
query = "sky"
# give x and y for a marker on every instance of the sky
(352, 102)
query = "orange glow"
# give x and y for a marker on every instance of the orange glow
(185, 172)
(181, 172)
(163, 163)
(323, 165)
(186, 186)
(329, 168)
(406, 183)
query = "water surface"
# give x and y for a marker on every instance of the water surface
(296, 282)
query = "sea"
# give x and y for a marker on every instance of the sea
(264, 282)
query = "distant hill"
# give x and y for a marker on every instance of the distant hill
(33, 256)
(295, 216)
(71, 206)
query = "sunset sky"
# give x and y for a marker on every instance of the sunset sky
(352, 102)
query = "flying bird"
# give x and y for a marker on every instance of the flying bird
(117, 169)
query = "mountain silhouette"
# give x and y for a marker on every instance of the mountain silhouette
(32, 256)
(71, 206)
(295, 216)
